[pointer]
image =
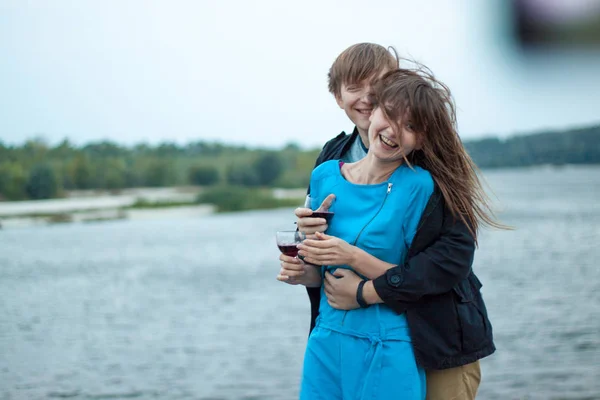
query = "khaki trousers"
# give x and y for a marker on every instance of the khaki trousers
(460, 383)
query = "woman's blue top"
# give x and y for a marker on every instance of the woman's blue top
(381, 219)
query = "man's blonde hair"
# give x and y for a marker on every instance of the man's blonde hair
(360, 62)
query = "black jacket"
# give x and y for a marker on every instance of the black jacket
(436, 287)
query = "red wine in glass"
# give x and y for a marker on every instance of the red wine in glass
(323, 214)
(319, 212)
(288, 249)
(288, 240)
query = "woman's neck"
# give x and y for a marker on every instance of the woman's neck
(370, 170)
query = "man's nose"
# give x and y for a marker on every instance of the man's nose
(365, 96)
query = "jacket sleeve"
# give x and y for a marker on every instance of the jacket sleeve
(434, 270)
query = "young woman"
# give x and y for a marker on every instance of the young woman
(378, 208)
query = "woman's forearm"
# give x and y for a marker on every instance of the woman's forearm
(368, 265)
(370, 294)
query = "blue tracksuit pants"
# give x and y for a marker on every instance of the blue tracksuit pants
(348, 365)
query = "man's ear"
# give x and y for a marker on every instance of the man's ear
(338, 100)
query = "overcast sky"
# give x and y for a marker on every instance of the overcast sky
(254, 72)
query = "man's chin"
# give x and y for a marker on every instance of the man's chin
(363, 126)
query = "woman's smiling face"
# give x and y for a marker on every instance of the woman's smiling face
(387, 144)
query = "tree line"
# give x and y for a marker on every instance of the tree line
(575, 146)
(36, 170)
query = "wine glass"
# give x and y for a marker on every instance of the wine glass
(288, 240)
(318, 212)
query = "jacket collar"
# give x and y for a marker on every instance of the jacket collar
(346, 146)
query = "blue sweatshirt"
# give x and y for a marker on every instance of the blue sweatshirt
(368, 216)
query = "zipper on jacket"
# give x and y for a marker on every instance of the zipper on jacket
(389, 189)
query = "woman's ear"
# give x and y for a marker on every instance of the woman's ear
(419, 142)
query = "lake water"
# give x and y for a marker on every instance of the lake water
(190, 308)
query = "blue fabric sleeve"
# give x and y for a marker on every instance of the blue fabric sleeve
(317, 177)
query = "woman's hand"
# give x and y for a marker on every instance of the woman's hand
(295, 272)
(309, 225)
(327, 250)
(340, 289)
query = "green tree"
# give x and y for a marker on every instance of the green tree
(63, 151)
(167, 150)
(35, 150)
(81, 172)
(268, 168)
(42, 183)
(238, 174)
(104, 149)
(292, 146)
(5, 152)
(114, 174)
(159, 173)
(12, 181)
(203, 175)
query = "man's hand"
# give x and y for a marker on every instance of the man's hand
(295, 272)
(310, 225)
(327, 250)
(341, 291)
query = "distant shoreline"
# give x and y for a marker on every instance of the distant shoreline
(234, 178)
(130, 204)
(159, 203)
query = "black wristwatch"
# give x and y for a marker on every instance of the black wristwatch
(359, 295)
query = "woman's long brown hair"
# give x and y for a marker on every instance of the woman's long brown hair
(415, 97)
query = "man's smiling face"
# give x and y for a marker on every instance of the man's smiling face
(355, 100)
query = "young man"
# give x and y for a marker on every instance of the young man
(435, 287)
